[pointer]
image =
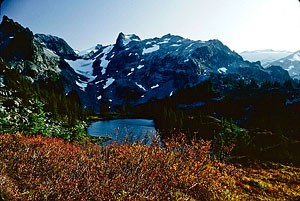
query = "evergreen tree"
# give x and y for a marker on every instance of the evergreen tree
(104, 107)
(288, 84)
(253, 84)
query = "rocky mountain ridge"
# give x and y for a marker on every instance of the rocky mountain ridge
(131, 71)
(56, 44)
(137, 71)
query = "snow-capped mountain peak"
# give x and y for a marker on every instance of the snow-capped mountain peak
(156, 67)
(125, 39)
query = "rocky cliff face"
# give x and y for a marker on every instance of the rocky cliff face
(278, 73)
(57, 45)
(131, 71)
(20, 50)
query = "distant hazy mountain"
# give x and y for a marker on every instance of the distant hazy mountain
(264, 56)
(290, 63)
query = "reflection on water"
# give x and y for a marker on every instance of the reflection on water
(124, 129)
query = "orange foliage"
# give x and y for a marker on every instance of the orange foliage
(44, 168)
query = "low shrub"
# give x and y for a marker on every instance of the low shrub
(47, 168)
(44, 168)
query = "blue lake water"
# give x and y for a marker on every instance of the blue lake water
(134, 129)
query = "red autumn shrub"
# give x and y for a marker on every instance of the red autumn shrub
(44, 168)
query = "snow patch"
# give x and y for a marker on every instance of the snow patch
(164, 41)
(296, 57)
(222, 70)
(150, 49)
(171, 93)
(99, 81)
(82, 85)
(99, 97)
(104, 62)
(155, 86)
(186, 60)
(140, 66)
(290, 68)
(176, 45)
(83, 67)
(108, 82)
(128, 39)
(190, 46)
(141, 86)
(84, 52)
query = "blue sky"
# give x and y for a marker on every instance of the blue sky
(240, 24)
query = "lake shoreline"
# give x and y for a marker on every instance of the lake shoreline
(114, 116)
(122, 129)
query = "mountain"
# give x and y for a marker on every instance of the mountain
(56, 44)
(131, 71)
(23, 51)
(135, 71)
(264, 56)
(290, 63)
(19, 48)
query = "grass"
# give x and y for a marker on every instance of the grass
(45, 168)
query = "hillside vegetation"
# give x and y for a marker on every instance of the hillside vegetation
(45, 168)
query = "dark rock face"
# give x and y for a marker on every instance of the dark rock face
(291, 64)
(23, 52)
(56, 44)
(278, 73)
(15, 41)
(19, 48)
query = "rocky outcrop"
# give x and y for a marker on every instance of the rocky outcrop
(278, 73)
(16, 42)
(21, 51)
(57, 45)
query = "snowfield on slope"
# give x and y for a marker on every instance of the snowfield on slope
(150, 49)
(83, 67)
